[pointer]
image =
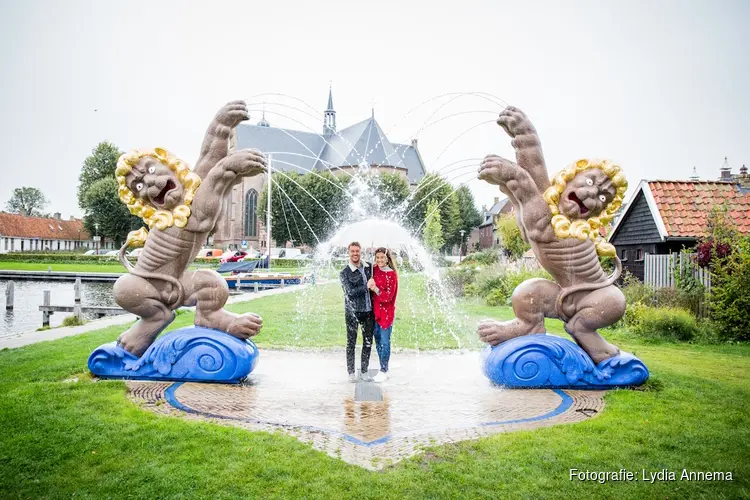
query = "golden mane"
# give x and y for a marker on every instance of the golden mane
(583, 229)
(162, 219)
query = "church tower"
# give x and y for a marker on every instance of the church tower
(329, 118)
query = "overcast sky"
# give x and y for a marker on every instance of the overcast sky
(657, 86)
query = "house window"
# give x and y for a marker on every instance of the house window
(639, 254)
(6, 244)
(623, 255)
(251, 215)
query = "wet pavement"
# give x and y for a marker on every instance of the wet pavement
(431, 398)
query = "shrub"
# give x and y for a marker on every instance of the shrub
(487, 283)
(457, 278)
(471, 290)
(72, 320)
(484, 258)
(662, 322)
(635, 291)
(729, 300)
(510, 235)
(689, 294)
(497, 297)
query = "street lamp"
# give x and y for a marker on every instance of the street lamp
(461, 247)
(96, 237)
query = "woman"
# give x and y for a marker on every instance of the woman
(384, 285)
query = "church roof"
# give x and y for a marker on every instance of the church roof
(363, 141)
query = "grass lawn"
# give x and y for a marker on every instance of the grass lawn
(81, 267)
(87, 439)
(113, 267)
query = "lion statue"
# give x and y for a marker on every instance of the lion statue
(180, 207)
(561, 220)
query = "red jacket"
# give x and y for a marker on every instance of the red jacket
(384, 304)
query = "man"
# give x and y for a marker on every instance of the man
(358, 309)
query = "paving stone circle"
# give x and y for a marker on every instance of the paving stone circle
(431, 398)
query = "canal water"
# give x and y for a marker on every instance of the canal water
(29, 295)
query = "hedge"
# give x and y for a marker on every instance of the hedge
(54, 257)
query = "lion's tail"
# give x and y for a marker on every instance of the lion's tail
(585, 287)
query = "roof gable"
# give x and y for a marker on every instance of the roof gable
(20, 226)
(302, 152)
(685, 206)
(680, 209)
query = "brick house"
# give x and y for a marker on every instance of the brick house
(19, 233)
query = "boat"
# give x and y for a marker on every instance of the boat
(262, 280)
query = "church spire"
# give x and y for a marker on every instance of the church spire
(329, 118)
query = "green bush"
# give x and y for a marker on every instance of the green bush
(635, 291)
(510, 235)
(72, 320)
(484, 258)
(459, 277)
(688, 294)
(661, 322)
(729, 300)
(487, 283)
(471, 290)
(497, 297)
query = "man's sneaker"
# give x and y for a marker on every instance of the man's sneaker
(353, 378)
(381, 376)
(365, 377)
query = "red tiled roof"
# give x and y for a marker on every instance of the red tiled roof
(19, 226)
(685, 205)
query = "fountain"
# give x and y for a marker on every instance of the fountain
(305, 393)
(179, 206)
(561, 219)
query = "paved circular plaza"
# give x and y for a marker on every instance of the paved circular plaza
(431, 398)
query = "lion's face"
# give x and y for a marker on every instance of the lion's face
(587, 195)
(155, 183)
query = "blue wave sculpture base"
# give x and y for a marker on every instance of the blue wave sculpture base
(191, 354)
(545, 361)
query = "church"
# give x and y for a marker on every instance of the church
(304, 152)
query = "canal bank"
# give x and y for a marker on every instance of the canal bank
(33, 337)
(58, 276)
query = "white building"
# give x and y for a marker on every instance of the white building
(19, 233)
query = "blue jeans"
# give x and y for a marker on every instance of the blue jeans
(383, 345)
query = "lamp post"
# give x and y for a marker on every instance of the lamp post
(461, 246)
(96, 237)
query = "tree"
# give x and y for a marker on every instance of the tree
(299, 204)
(510, 236)
(391, 188)
(100, 164)
(106, 210)
(27, 201)
(433, 231)
(468, 213)
(98, 197)
(433, 187)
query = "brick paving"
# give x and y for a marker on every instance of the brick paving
(431, 398)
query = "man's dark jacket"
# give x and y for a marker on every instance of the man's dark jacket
(355, 289)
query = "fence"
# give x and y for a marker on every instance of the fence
(663, 271)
